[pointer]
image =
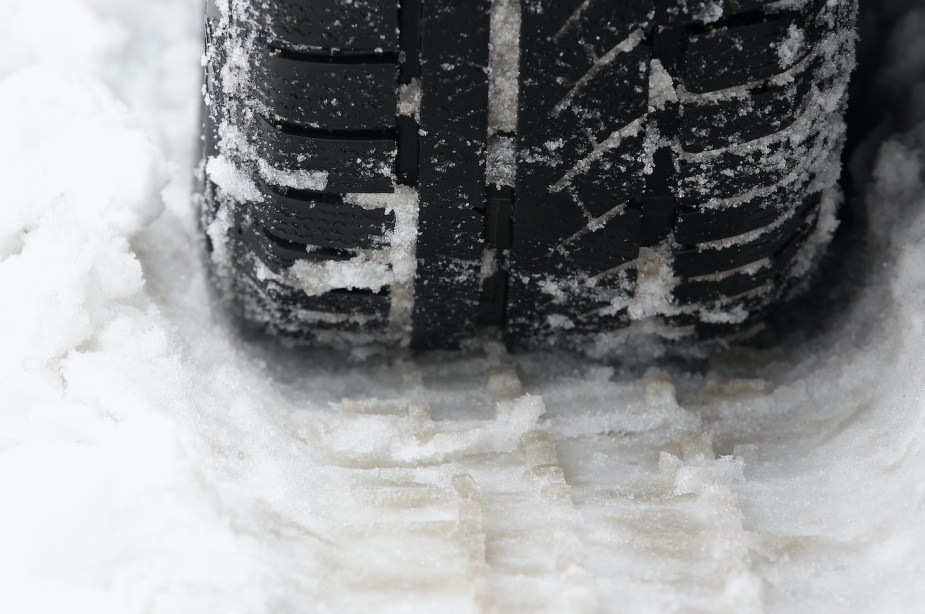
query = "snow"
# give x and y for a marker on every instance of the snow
(409, 99)
(791, 47)
(298, 179)
(501, 161)
(154, 459)
(661, 86)
(503, 66)
(232, 180)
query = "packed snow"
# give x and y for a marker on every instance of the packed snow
(153, 459)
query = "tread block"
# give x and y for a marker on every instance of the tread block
(612, 179)
(693, 262)
(543, 223)
(577, 90)
(692, 292)
(731, 56)
(451, 180)
(689, 292)
(354, 162)
(452, 194)
(300, 317)
(566, 38)
(594, 104)
(706, 11)
(588, 323)
(333, 24)
(592, 111)
(739, 120)
(349, 302)
(446, 301)
(730, 173)
(577, 308)
(712, 330)
(279, 254)
(616, 243)
(322, 220)
(329, 95)
(703, 225)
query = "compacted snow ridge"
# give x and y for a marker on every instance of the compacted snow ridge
(154, 459)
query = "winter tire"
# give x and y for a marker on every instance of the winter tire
(572, 172)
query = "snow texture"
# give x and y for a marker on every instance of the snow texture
(503, 66)
(154, 460)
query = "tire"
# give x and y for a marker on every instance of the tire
(576, 173)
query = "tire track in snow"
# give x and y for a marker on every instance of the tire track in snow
(476, 513)
(541, 523)
(658, 514)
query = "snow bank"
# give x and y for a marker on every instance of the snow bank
(153, 460)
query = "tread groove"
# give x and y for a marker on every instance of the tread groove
(323, 134)
(334, 56)
(752, 17)
(301, 249)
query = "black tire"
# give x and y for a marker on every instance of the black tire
(573, 172)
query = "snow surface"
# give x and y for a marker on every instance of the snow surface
(154, 460)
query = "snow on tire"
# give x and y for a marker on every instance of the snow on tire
(573, 173)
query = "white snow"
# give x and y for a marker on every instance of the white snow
(298, 179)
(503, 66)
(501, 161)
(707, 11)
(409, 99)
(654, 285)
(154, 460)
(791, 48)
(232, 180)
(661, 86)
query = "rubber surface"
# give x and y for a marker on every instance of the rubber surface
(712, 177)
(454, 128)
(324, 77)
(673, 163)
